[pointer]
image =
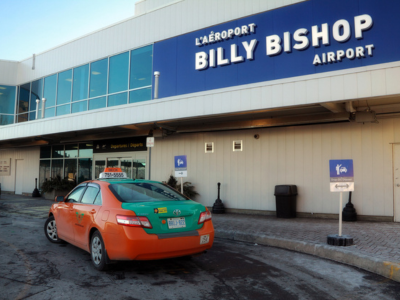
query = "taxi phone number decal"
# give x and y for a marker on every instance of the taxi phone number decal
(115, 175)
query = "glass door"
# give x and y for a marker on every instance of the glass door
(99, 166)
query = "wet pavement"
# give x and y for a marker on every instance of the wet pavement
(376, 244)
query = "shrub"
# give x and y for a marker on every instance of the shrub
(188, 188)
(57, 183)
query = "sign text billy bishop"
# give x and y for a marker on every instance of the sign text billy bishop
(299, 40)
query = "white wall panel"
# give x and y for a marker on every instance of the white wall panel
(31, 171)
(292, 155)
(9, 72)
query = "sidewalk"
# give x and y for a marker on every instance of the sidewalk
(376, 244)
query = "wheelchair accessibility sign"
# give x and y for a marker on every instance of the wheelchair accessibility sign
(341, 175)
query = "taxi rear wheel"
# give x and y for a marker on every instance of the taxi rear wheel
(97, 252)
(50, 230)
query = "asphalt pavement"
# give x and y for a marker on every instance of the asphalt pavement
(376, 244)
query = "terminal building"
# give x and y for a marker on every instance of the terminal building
(255, 93)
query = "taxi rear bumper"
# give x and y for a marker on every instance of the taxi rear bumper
(135, 244)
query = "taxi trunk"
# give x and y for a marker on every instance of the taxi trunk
(169, 217)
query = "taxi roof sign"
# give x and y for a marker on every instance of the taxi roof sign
(113, 173)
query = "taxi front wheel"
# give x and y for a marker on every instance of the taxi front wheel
(97, 252)
(50, 230)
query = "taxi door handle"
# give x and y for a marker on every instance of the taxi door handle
(92, 211)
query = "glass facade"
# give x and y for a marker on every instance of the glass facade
(73, 161)
(116, 80)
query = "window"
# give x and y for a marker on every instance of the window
(7, 99)
(118, 99)
(209, 147)
(76, 194)
(79, 106)
(36, 94)
(97, 103)
(98, 200)
(64, 87)
(118, 78)
(98, 78)
(144, 192)
(141, 67)
(80, 87)
(140, 95)
(90, 195)
(69, 161)
(23, 98)
(84, 169)
(63, 109)
(49, 94)
(237, 145)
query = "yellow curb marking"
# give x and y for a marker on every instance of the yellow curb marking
(394, 268)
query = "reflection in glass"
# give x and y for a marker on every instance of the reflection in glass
(126, 166)
(63, 109)
(139, 169)
(97, 103)
(23, 98)
(50, 90)
(32, 115)
(6, 119)
(112, 163)
(118, 75)
(58, 151)
(7, 99)
(117, 99)
(81, 78)
(99, 166)
(86, 150)
(79, 106)
(49, 112)
(84, 169)
(140, 95)
(141, 67)
(56, 168)
(22, 118)
(36, 94)
(45, 152)
(71, 151)
(98, 78)
(70, 169)
(44, 171)
(64, 87)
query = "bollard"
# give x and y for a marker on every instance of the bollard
(35, 192)
(218, 207)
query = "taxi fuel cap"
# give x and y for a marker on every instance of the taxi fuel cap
(113, 173)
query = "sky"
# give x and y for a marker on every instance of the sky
(34, 26)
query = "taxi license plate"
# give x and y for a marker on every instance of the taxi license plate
(204, 239)
(176, 223)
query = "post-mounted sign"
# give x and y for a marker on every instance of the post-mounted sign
(341, 175)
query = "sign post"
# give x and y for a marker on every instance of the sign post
(341, 180)
(150, 144)
(181, 168)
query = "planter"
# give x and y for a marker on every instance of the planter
(52, 195)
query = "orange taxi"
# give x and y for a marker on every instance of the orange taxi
(115, 218)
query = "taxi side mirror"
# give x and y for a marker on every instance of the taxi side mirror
(59, 199)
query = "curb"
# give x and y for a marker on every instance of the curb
(339, 254)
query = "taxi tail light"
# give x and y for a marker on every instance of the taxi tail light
(204, 216)
(134, 221)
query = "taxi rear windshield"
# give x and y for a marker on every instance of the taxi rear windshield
(144, 192)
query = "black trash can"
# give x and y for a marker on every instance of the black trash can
(285, 196)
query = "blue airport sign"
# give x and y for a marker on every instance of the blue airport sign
(305, 38)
